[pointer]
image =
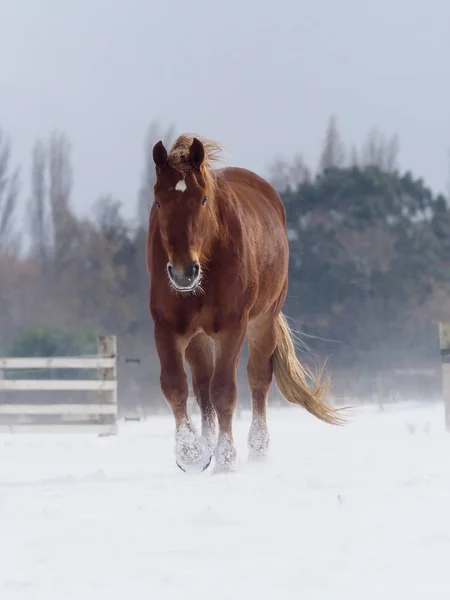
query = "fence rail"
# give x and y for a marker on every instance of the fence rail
(56, 385)
(62, 362)
(96, 416)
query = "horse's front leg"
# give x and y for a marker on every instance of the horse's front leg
(228, 346)
(191, 451)
(201, 360)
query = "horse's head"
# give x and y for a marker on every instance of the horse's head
(184, 210)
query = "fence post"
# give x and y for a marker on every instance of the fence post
(107, 348)
(444, 339)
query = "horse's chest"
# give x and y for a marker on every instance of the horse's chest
(208, 313)
(188, 321)
(208, 319)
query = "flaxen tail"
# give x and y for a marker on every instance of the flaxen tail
(291, 378)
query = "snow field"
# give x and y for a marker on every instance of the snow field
(361, 512)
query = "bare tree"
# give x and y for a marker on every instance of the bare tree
(354, 159)
(38, 210)
(60, 173)
(108, 218)
(9, 192)
(284, 176)
(377, 151)
(333, 153)
(154, 134)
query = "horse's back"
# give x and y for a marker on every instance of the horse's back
(263, 231)
(238, 177)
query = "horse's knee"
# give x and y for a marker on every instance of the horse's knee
(174, 386)
(224, 392)
(201, 384)
(223, 385)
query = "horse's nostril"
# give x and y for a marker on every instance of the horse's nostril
(192, 271)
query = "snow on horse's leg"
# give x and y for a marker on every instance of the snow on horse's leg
(209, 430)
(192, 451)
(226, 456)
(258, 439)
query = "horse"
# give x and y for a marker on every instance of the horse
(217, 260)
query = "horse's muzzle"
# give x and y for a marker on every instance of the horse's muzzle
(184, 279)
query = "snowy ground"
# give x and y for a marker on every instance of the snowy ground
(356, 513)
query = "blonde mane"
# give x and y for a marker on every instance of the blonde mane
(179, 159)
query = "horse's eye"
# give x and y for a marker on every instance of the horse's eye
(203, 201)
(158, 205)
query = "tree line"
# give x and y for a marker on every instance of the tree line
(369, 259)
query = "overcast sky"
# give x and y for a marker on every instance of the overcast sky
(260, 76)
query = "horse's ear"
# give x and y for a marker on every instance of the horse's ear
(160, 155)
(196, 153)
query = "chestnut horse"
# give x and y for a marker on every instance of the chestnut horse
(217, 258)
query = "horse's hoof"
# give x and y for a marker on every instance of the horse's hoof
(258, 441)
(194, 468)
(226, 457)
(194, 457)
(225, 469)
(257, 455)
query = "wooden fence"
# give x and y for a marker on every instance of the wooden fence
(444, 339)
(97, 416)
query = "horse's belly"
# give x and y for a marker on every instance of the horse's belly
(272, 270)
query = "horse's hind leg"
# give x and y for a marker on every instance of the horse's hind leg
(262, 343)
(200, 358)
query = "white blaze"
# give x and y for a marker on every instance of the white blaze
(181, 186)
